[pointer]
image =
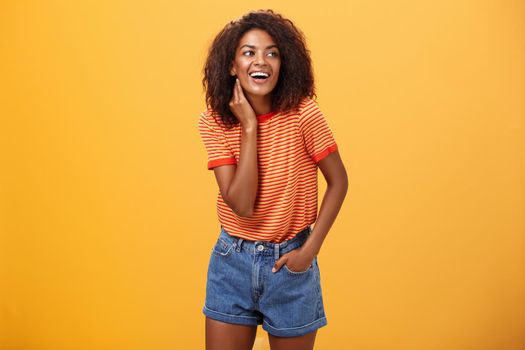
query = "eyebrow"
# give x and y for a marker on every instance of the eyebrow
(253, 46)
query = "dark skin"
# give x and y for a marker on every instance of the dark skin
(238, 183)
(220, 335)
(337, 185)
(238, 187)
(336, 178)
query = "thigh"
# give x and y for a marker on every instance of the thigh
(304, 342)
(226, 336)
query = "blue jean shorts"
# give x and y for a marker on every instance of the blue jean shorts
(242, 289)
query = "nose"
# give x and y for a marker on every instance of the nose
(260, 59)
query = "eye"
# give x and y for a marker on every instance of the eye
(273, 53)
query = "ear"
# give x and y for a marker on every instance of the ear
(233, 72)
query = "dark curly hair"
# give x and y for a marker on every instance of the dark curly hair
(296, 80)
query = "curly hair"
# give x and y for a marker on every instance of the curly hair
(296, 80)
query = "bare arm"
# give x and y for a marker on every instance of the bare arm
(238, 183)
(337, 185)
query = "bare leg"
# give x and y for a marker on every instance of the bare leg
(226, 336)
(304, 342)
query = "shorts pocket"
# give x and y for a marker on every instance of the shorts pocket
(222, 247)
(297, 272)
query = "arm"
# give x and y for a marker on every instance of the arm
(337, 185)
(335, 174)
(238, 183)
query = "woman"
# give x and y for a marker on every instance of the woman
(265, 138)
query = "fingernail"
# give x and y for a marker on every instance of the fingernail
(273, 269)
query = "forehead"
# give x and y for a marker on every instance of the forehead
(256, 37)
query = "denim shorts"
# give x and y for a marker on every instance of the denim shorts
(242, 289)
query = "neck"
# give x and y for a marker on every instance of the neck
(260, 104)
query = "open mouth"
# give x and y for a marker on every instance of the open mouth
(259, 76)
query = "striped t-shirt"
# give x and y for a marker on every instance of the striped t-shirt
(289, 145)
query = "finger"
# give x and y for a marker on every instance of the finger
(241, 93)
(239, 90)
(277, 266)
(235, 94)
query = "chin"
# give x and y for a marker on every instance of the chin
(248, 88)
(259, 92)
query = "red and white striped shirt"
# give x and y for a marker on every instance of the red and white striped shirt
(289, 146)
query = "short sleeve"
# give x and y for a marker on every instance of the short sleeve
(214, 139)
(317, 135)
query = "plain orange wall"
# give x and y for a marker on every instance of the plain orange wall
(107, 210)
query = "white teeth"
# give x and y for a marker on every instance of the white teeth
(259, 74)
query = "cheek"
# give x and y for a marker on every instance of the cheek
(277, 73)
(277, 68)
(239, 66)
(242, 64)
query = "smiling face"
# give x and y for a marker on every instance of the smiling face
(257, 52)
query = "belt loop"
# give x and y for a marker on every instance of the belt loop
(239, 242)
(276, 250)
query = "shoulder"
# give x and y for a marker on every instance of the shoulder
(307, 102)
(308, 110)
(308, 106)
(208, 115)
(210, 119)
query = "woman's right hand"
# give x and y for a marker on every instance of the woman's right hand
(241, 107)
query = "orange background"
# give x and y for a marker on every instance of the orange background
(107, 210)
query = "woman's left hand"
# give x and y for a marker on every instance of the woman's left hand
(296, 260)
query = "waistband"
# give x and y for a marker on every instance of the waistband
(265, 247)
